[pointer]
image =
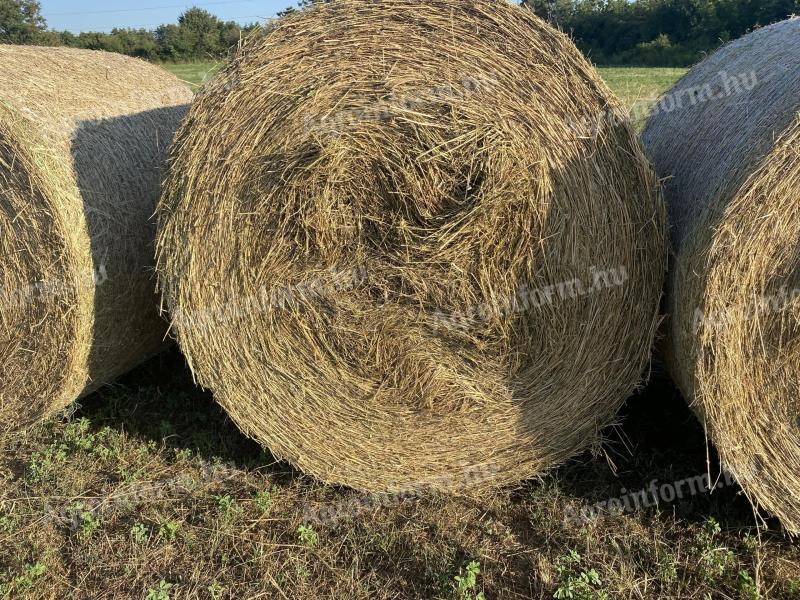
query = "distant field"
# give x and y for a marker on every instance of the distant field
(194, 74)
(638, 87)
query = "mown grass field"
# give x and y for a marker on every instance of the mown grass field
(146, 490)
(194, 74)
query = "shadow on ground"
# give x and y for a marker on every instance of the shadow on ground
(658, 440)
(159, 402)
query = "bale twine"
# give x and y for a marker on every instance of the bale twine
(727, 138)
(413, 245)
(82, 137)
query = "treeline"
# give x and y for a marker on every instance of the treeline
(621, 32)
(198, 35)
(658, 32)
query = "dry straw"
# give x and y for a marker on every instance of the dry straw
(730, 150)
(377, 241)
(82, 138)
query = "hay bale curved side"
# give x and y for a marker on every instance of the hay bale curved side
(82, 138)
(413, 244)
(732, 169)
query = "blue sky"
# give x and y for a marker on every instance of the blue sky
(103, 15)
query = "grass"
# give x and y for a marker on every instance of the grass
(640, 88)
(194, 74)
(147, 490)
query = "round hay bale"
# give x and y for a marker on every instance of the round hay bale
(727, 141)
(413, 245)
(82, 138)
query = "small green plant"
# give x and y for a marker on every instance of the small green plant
(575, 583)
(228, 507)
(76, 438)
(264, 500)
(7, 523)
(43, 464)
(84, 521)
(168, 531)
(715, 560)
(28, 579)
(748, 587)
(215, 590)
(307, 536)
(751, 542)
(669, 571)
(159, 593)
(711, 528)
(77, 435)
(146, 449)
(139, 533)
(104, 452)
(466, 583)
(129, 476)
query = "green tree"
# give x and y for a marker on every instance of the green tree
(556, 12)
(658, 32)
(200, 33)
(21, 21)
(230, 34)
(301, 4)
(137, 42)
(170, 42)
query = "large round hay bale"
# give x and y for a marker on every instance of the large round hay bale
(82, 138)
(413, 244)
(727, 141)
